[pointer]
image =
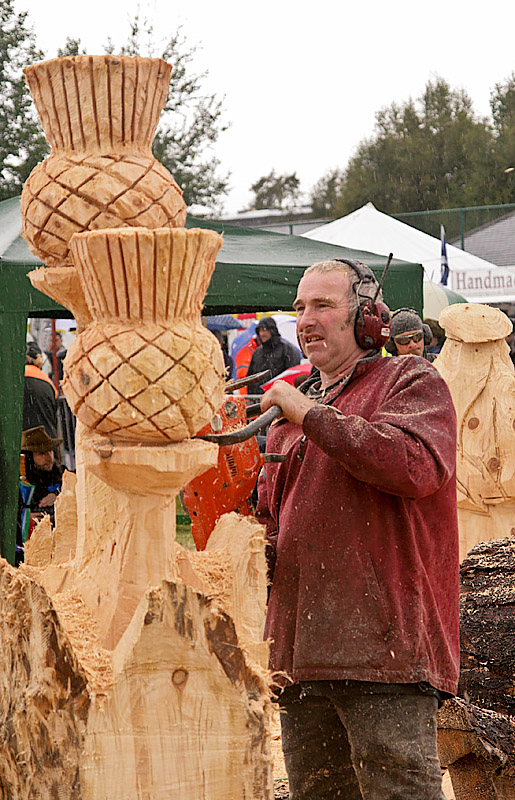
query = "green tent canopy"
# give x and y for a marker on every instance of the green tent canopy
(255, 271)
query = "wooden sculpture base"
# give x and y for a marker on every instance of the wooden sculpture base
(136, 669)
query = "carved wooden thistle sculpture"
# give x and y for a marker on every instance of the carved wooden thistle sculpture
(475, 363)
(145, 369)
(138, 668)
(99, 114)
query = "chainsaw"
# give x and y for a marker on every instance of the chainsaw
(228, 486)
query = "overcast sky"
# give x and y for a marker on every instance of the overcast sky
(302, 81)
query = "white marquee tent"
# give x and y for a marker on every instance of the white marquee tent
(369, 229)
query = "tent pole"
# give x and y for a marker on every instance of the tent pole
(55, 375)
(13, 334)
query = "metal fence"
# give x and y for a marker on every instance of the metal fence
(465, 225)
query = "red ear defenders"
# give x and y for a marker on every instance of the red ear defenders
(373, 320)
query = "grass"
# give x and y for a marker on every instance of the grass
(183, 534)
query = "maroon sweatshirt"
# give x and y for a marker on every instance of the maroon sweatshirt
(362, 519)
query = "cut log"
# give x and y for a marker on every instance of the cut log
(487, 626)
(476, 732)
(176, 711)
(173, 700)
(478, 749)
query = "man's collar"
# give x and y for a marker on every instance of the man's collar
(313, 388)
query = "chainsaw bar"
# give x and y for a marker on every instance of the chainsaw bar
(231, 386)
(242, 434)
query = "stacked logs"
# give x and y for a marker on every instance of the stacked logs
(476, 736)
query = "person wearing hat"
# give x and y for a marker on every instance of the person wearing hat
(273, 353)
(41, 470)
(409, 335)
(40, 394)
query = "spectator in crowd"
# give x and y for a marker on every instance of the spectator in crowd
(44, 475)
(409, 335)
(438, 339)
(511, 342)
(273, 354)
(242, 359)
(40, 394)
(60, 355)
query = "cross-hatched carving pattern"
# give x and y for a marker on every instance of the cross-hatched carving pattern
(69, 194)
(150, 384)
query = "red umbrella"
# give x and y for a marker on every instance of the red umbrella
(289, 374)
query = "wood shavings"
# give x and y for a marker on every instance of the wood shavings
(81, 629)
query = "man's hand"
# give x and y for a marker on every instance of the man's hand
(48, 500)
(294, 404)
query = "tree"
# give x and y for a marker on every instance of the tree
(191, 122)
(423, 155)
(273, 191)
(325, 193)
(22, 143)
(431, 153)
(72, 47)
(502, 102)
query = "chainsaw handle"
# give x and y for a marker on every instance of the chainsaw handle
(242, 434)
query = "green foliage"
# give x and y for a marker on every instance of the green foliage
(502, 101)
(273, 191)
(429, 154)
(22, 144)
(71, 48)
(326, 192)
(190, 124)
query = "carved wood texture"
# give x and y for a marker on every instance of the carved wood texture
(475, 364)
(99, 114)
(145, 369)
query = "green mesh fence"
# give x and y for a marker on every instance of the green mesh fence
(485, 231)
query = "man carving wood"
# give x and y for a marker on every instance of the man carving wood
(361, 520)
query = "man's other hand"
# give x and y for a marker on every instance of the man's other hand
(293, 403)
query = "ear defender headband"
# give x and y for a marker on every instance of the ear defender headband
(373, 320)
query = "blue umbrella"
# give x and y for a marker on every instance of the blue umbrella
(223, 322)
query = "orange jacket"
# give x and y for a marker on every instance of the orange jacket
(31, 371)
(243, 358)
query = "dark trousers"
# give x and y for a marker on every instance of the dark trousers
(360, 741)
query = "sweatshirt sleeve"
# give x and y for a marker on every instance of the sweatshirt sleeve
(406, 448)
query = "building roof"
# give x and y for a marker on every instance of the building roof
(494, 241)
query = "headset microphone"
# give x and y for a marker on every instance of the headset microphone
(373, 319)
